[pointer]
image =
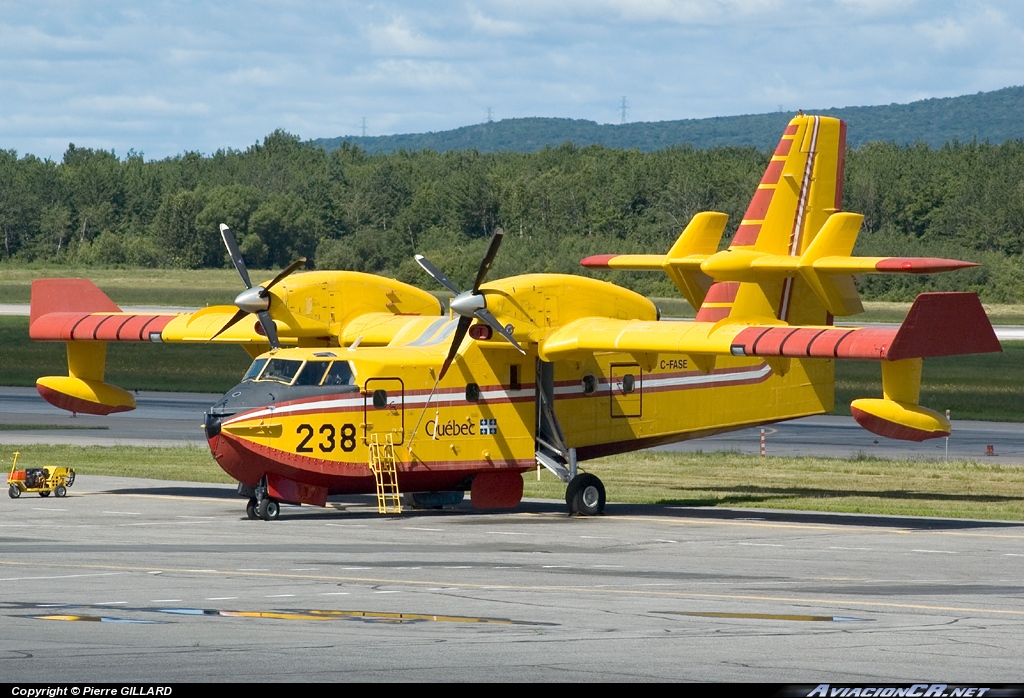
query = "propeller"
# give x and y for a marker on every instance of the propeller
(254, 299)
(470, 304)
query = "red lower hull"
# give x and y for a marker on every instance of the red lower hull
(249, 463)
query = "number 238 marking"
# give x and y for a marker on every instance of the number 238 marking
(329, 438)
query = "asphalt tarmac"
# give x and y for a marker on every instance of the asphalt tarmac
(140, 581)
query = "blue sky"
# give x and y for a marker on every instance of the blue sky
(163, 78)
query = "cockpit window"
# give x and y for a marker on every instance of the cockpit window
(340, 374)
(312, 373)
(281, 370)
(254, 370)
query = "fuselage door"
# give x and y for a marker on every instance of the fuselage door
(384, 409)
(626, 390)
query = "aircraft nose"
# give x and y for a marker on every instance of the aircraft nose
(211, 425)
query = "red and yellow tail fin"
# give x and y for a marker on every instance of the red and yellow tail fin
(790, 261)
(801, 187)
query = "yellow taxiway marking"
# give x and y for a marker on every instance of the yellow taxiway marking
(544, 588)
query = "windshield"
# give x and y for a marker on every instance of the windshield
(254, 370)
(340, 374)
(281, 370)
(312, 373)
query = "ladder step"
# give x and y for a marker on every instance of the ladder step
(385, 472)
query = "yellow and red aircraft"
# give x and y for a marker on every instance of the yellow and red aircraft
(357, 376)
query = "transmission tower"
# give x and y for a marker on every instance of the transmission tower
(364, 127)
(623, 107)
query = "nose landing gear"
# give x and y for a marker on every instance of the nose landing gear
(260, 505)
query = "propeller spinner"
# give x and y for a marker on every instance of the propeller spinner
(254, 300)
(470, 304)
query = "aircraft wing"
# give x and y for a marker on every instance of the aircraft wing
(69, 310)
(926, 332)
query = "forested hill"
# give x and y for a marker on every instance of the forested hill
(986, 116)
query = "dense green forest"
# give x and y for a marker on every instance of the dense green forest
(986, 116)
(348, 209)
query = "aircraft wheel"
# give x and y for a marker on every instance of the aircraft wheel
(250, 508)
(588, 497)
(13, 492)
(44, 493)
(570, 494)
(269, 509)
(61, 491)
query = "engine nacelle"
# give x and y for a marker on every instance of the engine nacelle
(899, 420)
(85, 396)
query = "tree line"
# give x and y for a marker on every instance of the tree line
(347, 209)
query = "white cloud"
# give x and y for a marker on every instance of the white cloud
(399, 39)
(166, 77)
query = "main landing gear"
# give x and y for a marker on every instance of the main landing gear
(585, 495)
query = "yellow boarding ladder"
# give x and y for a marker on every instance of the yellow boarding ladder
(382, 463)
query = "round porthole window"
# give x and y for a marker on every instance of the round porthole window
(589, 384)
(628, 384)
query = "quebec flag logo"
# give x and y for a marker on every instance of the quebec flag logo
(488, 426)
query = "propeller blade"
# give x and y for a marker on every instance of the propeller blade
(460, 334)
(269, 328)
(300, 262)
(436, 273)
(485, 315)
(485, 265)
(236, 256)
(230, 323)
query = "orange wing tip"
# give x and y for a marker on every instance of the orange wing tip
(899, 420)
(922, 265)
(925, 331)
(68, 296)
(84, 396)
(598, 261)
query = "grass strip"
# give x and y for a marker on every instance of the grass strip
(864, 485)
(45, 427)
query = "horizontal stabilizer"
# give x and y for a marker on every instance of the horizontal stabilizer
(698, 241)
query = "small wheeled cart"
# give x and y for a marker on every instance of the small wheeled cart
(42, 480)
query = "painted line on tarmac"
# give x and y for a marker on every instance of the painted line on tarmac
(850, 602)
(61, 576)
(818, 526)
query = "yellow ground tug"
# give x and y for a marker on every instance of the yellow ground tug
(42, 480)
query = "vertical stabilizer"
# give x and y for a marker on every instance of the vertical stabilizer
(801, 187)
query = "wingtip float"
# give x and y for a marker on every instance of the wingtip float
(359, 381)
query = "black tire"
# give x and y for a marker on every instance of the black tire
(589, 497)
(60, 491)
(269, 509)
(44, 493)
(570, 494)
(13, 492)
(250, 508)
